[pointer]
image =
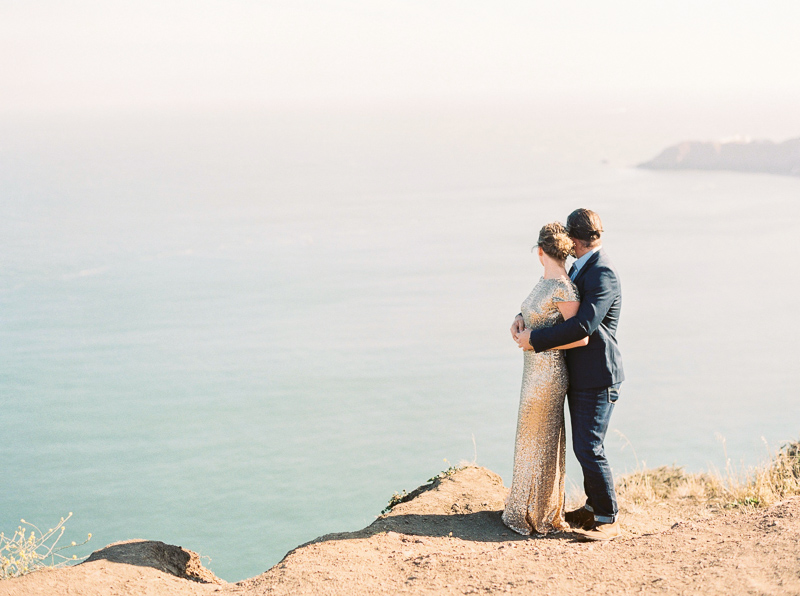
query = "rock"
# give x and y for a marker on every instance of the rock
(168, 558)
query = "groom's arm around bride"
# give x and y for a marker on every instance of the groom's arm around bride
(598, 364)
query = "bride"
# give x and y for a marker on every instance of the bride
(536, 500)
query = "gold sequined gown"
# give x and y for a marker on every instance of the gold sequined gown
(536, 500)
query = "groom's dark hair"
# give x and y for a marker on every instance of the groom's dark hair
(585, 227)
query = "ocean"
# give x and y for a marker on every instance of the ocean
(239, 329)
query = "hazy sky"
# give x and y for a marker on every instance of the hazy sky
(65, 53)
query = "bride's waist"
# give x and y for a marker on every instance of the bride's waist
(548, 354)
(543, 323)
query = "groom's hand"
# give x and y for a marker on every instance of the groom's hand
(517, 326)
(524, 339)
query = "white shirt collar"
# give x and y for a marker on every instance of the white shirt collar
(582, 261)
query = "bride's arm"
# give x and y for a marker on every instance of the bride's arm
(569, 310)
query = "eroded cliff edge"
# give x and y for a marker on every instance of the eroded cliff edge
(448, 539)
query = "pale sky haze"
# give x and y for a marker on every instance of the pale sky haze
(88, 54)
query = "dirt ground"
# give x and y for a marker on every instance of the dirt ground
(449, 540)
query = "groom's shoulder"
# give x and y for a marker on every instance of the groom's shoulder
(604, 268)
(604, 261)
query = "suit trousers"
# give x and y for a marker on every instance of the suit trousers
(590, 412)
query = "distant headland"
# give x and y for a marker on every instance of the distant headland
(738, 155)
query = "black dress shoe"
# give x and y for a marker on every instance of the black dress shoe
(580, 518)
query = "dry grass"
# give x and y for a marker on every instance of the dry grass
(29, 549)
(754, 487)
(771, 483)
(666, 483)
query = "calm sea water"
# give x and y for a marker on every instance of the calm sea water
(239, 331)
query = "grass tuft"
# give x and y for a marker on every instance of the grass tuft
(665, 483)
(404, 496)
(764, 485)
(754, 487)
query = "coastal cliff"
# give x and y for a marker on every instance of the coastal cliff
(446, 537)
(739, 156)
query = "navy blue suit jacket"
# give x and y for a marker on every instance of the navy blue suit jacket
(598, 364)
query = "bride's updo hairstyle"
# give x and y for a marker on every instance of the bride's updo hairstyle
(555, 242)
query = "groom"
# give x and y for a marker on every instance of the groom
(595, 370)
